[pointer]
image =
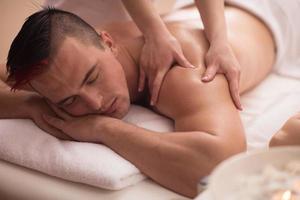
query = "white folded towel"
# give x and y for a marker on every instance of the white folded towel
(23, 143)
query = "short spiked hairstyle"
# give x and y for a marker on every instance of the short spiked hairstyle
(40, 37)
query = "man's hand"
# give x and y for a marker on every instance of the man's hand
(220, 58)
(85, 128)
(289, 133)
(36, 108)
(157, 57)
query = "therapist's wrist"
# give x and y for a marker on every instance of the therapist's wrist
(218, 39)
(155, 31)
(158, 38)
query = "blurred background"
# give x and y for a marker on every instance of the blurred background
(13, 14)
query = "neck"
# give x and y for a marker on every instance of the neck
(128, 56)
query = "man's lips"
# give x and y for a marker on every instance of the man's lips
(112, 107)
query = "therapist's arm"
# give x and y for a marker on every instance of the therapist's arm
(160, 51)
(220, 57)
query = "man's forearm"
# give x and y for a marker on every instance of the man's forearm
(212, 14)
(12, 103)
(177, 160)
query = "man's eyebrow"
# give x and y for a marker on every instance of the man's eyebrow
(87, 75)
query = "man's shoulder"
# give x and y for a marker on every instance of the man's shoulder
(179, 90)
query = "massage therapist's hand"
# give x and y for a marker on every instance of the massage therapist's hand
(36, 108)
(84, 128)
(158, 55)
(220, 58)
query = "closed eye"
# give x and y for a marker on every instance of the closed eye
(69, 101)
(89, 82)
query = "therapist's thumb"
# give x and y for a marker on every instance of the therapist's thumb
(182, 61)
(210, 73)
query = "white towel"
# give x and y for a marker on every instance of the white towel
(22, 143)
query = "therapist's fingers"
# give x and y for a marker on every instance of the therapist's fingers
(182, 61)
(142, 79)
(210, 73)
(156, 85)
(233, 78)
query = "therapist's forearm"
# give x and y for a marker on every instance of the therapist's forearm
(171, 159)
(146, 18)
(212, 14)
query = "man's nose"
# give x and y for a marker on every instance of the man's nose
(93, 100)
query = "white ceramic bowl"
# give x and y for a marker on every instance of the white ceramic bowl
(225, 176)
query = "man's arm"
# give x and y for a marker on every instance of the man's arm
(11, 103)
(208, 130)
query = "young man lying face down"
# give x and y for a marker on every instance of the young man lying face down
(90, 80)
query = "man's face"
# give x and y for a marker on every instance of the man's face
(85, 80)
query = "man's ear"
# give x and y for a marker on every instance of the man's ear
(109, 42)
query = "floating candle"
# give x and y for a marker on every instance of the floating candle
(285, 195)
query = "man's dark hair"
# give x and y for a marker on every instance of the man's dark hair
(39, 39)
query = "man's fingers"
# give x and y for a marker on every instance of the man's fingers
(156, 88)
(182, 61)
(54, 121)
(233, 80)
(142, 79)
(57, 133)
(60, 112)
(210, 73)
